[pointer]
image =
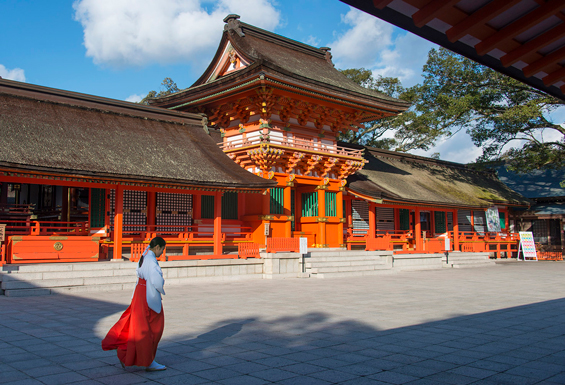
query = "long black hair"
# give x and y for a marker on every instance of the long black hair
(157, 241)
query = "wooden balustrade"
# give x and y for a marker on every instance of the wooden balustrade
(248, 250)
(43, 228)
(139, 236)
(297, 143)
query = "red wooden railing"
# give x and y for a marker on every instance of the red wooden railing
(275, 245)
(138, 237)
(46, 228)
(248, 250)
(405, 242)
(297, 143)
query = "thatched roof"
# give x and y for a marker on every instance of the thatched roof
(398, 177)
(49, 130)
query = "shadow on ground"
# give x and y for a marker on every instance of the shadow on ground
(53, 340)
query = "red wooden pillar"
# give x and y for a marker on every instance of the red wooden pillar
(151, 211)
(418, 229)
(287, 211)
(321, 236)
(339, 209)
(118, 222)
(196, 207)
(372, 221)
(455, 231)
(218, 223)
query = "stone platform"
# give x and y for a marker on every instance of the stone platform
(68, 278)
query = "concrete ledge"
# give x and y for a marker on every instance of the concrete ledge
(417, 261)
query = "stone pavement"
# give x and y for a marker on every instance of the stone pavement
(495, 325)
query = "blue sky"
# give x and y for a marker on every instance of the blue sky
(122, 49)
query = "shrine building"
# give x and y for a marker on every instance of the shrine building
(245, 159)
(85, 177)
(280, 105)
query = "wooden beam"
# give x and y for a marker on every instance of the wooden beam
(430, 11)
(533, 45)
(479, 17)
(543, 63)
(524, 23)
(554, 77)
(380, 4)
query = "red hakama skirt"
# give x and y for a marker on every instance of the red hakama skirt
(138, 331)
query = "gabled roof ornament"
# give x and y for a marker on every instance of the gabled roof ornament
(232, 22)
(328, 54)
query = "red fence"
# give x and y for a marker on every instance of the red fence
(248, 250)
(275, 245)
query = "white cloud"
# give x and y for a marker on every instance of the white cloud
(135, 98)
(124, 33)
(14, 74)
(404, 59)
(313, 41)
(360, 45)
(369, 43)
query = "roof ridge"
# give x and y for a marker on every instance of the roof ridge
(80, 100)
(233, 23)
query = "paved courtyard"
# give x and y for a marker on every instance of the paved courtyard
(495, 325)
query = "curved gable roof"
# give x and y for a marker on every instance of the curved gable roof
(294, 61)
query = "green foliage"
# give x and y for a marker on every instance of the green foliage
(497, 111)
(407, 131)
(168, 86)
(503, 116)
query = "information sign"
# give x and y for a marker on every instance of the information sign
(493, 220)
(527, 245)
(303, 246)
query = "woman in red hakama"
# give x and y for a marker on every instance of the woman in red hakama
(139, 329)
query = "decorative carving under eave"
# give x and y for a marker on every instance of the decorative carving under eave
(293, 161)
(265, 156)
(328, 165)
(312, 162)
(265, 102)
(350, 167)
(286, 107)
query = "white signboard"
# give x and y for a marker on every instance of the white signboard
(527, 245)
(447, 244)
(303, 246)
(267, 228)
(493, 220)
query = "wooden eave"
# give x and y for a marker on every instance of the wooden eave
(56, 177)
(252, 77)
(524, 39)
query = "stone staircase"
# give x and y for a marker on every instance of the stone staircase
(330, 263)
(68, 278)
(458, 260)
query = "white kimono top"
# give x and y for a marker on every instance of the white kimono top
(152, 274)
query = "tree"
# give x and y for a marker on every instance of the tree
(504, 116)
(508, 119)
(170, 87)
(408, 131)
